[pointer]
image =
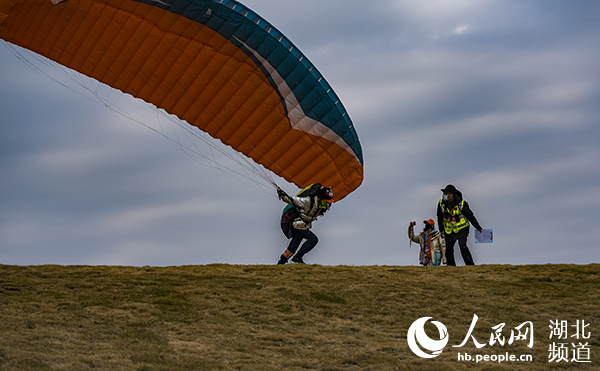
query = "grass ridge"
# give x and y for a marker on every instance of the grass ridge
(293, 317)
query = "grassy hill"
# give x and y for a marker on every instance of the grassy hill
(293, 317)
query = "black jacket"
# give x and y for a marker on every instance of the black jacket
(466, 210)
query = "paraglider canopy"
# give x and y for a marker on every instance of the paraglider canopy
(213, 63)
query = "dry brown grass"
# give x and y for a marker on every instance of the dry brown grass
(293, 317)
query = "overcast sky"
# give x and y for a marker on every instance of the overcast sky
(499, 98)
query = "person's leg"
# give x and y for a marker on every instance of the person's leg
(436, 257)
(307, 246)
(450, 240)
(464, 251)
(297, 237)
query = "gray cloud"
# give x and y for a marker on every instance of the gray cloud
(498, 98)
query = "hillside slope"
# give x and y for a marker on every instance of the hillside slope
(294, 317)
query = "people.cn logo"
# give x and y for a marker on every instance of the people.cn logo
(421, 344)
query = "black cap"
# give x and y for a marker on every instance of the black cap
(449, 189)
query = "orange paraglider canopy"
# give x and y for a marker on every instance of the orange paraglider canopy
(214, 64)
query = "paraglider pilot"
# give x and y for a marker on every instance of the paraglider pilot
(454, 214)
(310, 204)
(433, 247)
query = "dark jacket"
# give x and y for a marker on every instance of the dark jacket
(466, 210)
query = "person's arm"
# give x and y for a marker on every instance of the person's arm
(411, 233)
(468, 213)
(300, 202)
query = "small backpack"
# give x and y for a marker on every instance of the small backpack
(291, 212)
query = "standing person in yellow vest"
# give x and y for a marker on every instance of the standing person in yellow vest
(454, 216)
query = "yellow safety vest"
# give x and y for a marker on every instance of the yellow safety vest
(454, 220)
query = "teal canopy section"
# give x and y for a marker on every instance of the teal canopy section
(272, 52)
